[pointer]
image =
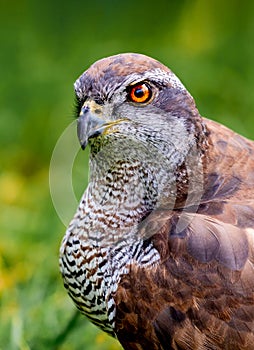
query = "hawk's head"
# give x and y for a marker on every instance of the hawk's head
(134, 96)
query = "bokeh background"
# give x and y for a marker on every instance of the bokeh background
(44, 46)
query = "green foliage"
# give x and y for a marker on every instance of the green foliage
(45, 45)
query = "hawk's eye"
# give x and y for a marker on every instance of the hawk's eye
(140, 93)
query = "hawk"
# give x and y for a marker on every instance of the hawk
(160, 253)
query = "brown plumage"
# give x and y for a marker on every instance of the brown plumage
(160, 253)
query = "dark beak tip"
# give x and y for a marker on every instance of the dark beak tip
(83, 144)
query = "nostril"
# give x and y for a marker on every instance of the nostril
(84, 110)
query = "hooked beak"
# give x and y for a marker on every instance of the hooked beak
(89, 123)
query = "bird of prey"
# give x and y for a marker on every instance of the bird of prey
(160, 253)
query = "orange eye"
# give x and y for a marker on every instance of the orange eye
(140, 93)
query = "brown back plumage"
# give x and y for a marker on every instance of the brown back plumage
(202, 294)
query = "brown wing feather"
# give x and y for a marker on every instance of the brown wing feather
(201, 296)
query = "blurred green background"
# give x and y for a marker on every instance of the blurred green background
(45, 45)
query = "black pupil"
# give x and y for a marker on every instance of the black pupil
(139, 92)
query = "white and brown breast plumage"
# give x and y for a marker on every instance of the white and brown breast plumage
(160, 253)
